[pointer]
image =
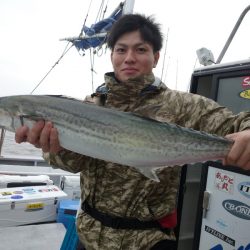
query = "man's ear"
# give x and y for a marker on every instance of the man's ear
(111, 57)
(156, 58)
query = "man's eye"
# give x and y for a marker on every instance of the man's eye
(120, 50)
(141, 50)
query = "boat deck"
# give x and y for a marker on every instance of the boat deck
(43, 236)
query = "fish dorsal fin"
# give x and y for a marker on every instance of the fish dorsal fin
(70, 98)
(64, 97)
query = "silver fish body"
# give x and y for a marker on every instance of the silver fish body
(113, 135)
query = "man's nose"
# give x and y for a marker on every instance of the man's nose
(130, 56)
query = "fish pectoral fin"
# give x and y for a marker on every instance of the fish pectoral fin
(149, 172)
(27, 120)
(30, 117)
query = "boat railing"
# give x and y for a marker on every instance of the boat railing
(231, 36)
(23, 161)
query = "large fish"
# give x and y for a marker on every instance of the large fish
(112, 135)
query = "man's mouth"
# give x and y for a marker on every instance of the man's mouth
(129, 70)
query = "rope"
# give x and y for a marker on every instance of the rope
(105, 10)
(98, 16)
(85, 18)
(101, 9)
(57, 62)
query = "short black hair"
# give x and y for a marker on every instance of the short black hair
(148, 28)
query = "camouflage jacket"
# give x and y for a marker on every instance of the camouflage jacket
(122, 191)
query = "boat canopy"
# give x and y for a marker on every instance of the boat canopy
(95, 35)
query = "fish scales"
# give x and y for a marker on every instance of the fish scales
(113, 135)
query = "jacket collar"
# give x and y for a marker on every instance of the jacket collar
(135, 86)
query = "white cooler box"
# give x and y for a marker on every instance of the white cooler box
(20, 180)
(71, 186)
(27, 205)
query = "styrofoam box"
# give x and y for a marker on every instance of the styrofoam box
(19, 180)
(27, 205)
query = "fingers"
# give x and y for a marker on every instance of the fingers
(41, 135)
(21, 134)
(234, 155)
(35, 132)
(239, 154)
(54, 141)
(44, 139)
(48, 140)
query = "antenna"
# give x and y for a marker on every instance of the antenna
(164, 56)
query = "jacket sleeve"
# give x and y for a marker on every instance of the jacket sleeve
(206, 115)
(69, 161)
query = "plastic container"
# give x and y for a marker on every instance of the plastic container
(67, 210)
(70, 240)
(28, 205)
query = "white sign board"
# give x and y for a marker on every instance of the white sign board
(226, 224)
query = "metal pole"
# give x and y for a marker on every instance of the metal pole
(128, 7)
(1, 140)
(230, 38)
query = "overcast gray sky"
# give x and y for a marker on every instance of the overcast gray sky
(30, 32)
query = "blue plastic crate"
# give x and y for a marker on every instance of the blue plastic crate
(67, 210)
(70, 240)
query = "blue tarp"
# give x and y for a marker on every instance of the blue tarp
(100, 27)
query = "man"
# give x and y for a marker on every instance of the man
(122, 209)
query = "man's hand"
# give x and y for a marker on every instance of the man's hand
(239, 155)
(42, 135)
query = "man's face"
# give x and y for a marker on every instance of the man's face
(132, 57)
